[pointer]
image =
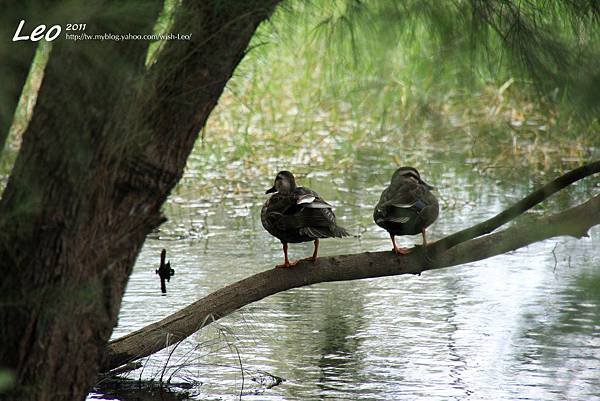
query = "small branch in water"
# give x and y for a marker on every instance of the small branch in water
(555, 259)
(275, 382)
(131, 366)
(164, 271)
(168, 359)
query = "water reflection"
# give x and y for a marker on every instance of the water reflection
(567, 341)
(519, 326)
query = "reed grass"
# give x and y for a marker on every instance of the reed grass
(303, 97)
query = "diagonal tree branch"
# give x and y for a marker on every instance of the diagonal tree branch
(515, 210)
(150, 339)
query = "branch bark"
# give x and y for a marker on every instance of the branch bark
(16, 60)
(150, 339)
(515, 210)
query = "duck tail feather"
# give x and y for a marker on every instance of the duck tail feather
(340, 232)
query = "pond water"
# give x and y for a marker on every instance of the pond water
(524, 325)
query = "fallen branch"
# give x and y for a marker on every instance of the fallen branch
(176, 327)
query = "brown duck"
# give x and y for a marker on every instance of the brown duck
(297, 214)
(406, 206)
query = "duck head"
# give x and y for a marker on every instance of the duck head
(409, 173)
(284, 183)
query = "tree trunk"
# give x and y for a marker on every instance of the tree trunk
(152, 338)
(108, 141)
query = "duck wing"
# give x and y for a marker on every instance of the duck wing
(306, 197)
(399, 204)
(311, 215)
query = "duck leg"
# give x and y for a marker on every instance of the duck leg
(424, 237)
(313, 258)
(316, 250)
(396, 250)
(287, 262)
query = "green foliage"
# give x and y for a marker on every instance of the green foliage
(555, 43)
(7, 379)
(384, 83)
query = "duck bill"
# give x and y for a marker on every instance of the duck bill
(271, 190)
(430, 187)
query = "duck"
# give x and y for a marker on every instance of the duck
(298, 214)
(406, 207)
